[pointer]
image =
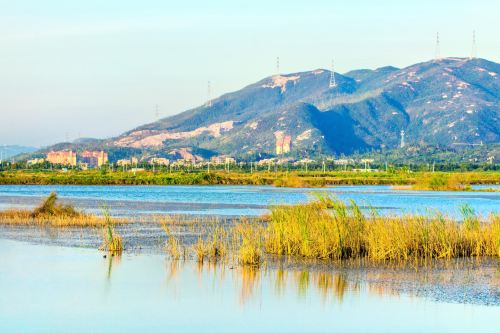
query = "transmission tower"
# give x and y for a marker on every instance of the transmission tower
(402, 144)
(437, 55)
(209, 94)
(473, 53)
(333, 83)
(157, 111)
(278, 66)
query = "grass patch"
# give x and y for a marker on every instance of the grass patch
(52, 213)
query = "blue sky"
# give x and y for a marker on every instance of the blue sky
(95, 68)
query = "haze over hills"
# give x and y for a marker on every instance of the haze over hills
(8, 151)
(453, 101)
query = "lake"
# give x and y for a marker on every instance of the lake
(245, 200)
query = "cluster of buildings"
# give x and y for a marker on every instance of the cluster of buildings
(86, 159)
(283, 143)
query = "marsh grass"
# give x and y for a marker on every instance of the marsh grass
(52, 213)
(442, 182)
(329, 229)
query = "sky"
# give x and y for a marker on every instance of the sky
(94, 68)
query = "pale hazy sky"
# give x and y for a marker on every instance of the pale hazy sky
(95, 68)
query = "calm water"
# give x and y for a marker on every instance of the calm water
(245, 200)
(58, 289)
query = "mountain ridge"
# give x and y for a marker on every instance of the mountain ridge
(446, 102)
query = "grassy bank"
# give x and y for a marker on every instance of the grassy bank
(52, 213)
(284, 179)
(325, 229)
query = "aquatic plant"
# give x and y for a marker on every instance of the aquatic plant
(112, 241)
(248, 236)
(50, 207)
(330, 229)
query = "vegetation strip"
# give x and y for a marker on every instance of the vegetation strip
(420, 180)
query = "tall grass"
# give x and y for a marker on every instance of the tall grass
(329, 229)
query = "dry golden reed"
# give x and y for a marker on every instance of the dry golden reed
(51, 213)
(112, 241)
(329, 229)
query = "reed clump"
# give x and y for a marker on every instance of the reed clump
(112, 241)
(330, 229)
(441, 182)
(248, 237)
(213, 242)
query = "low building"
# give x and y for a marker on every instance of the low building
(94, 158)
(159, 161)
(123, 162)
(35, 161)
(62, 157)
(223, 159)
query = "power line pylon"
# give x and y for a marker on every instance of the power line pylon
(473, 53)
(437, 55)
(333, 82)
(209, 95)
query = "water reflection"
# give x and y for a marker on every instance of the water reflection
(58, 287)
(249, 280)
(111, 260)
(447, 281)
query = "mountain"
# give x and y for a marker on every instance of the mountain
(11, 151)
(453, 101)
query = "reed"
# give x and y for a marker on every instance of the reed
(248, 239)
(330, 229)
(112, 241)
(173, 244)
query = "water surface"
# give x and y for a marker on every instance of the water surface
(245, 200)
(58, 289)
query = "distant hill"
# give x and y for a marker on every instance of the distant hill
(450, 102)
(11, 151)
